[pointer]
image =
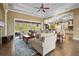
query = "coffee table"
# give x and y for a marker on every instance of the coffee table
(26, 38)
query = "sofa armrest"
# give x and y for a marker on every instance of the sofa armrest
(37, 45)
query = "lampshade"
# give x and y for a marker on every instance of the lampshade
(1, 24)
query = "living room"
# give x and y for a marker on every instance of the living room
(30, 25)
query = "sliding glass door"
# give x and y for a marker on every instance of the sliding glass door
(26, 26)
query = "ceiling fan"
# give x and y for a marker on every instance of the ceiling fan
(42, 8)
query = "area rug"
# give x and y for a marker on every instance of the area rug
(22, 49)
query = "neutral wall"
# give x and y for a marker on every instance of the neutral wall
(1, 11)
(10, 20)
(2, 17)
(76, 24)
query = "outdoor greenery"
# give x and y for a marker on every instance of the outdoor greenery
(25, 27)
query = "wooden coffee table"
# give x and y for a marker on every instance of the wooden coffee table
(26, 38)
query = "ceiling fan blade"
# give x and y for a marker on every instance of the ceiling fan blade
(41, 6)
(43, 11)
(45, 8)
(36, 7)
(38, 10)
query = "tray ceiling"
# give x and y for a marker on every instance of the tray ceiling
(29, 8)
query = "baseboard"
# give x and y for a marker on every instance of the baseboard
(75, 38)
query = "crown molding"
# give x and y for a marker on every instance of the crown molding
(23, 13)
(19, 19)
